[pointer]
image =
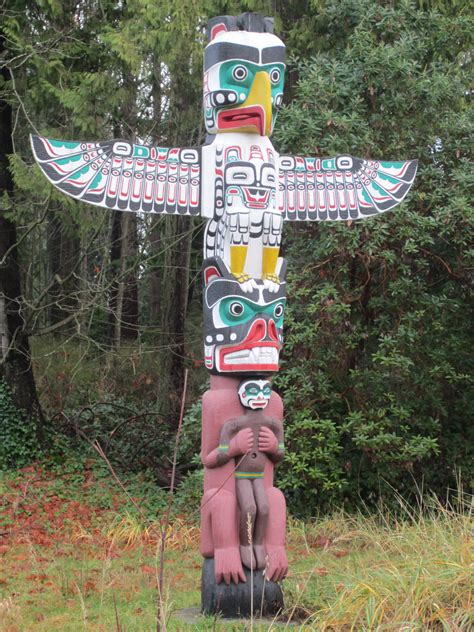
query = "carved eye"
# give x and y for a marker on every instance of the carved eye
(240, 73)
(275, 75)
(236, 308)
(278, 311)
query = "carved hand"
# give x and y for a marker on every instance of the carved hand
(242, 443)
(267, 441)
(227, 566)
(277, 563)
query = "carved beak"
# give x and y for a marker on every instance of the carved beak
(255, 113)
(261, 94)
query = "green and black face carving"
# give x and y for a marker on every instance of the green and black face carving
(243, 75)
(255, 394)
(243, 331)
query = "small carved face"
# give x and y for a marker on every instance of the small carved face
(249, 178)
(255, 394)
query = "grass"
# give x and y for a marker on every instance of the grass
(67, 564)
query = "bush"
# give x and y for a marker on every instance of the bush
(376, 372)
(18, 442)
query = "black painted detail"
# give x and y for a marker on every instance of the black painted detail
(252, 22)
(274, 54)
(223, 51)
(234, 600)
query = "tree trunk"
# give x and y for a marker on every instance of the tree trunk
(154, 291)
(115, 289)
(123, 303)
(173, 308)
(129, 326)
(169, 284)
(64, 252)
(154, 300)
(15, 365)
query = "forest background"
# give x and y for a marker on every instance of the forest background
(100, 312)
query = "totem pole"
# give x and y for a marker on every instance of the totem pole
(245, 190)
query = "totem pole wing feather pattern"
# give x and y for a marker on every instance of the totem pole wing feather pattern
(341, 188)
(123, 176)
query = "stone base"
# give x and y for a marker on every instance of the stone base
(234, 601)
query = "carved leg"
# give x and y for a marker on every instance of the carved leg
(261, 523)
(219, 535)
(248, 511)
(275, 535)
(239, 239)
(271, 237)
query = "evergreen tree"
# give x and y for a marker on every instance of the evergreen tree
(377, 372)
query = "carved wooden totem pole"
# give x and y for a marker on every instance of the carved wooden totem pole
(245, 190)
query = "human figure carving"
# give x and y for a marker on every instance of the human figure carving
(261, 438)
(239, 452)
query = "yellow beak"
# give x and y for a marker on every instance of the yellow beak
(261, 94)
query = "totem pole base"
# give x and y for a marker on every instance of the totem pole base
(234, 601)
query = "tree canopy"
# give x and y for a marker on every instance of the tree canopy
(377, 365)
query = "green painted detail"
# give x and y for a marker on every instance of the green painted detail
(363, 193)
(238, 310)
(63, 143)
(392, 165)
(96, 181)
(229, 71)
(79, 173)
(232, 192)
(253, 391)
(249, 475)
(223, 448)
(65, 161)
(328, 163)
(281, 446)
(391, 179)
(140, 152)
(379, 189)
(232, 155)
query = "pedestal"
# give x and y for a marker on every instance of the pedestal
(234, 600)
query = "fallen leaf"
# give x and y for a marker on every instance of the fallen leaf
(321, 542)
(149, 570)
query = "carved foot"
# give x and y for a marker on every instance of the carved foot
(246, 282)
(260, 555)
(247, 557)
(277, 562)
(227, 566)
(271, 282)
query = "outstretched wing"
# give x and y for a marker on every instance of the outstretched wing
(341, 188)
(120, 175)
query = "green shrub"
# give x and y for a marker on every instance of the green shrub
(377, 362)
(18, 441)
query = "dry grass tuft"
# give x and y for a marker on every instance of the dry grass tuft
(128, 530)
(414, 572)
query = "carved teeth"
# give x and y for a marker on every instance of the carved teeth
(243, 353)
(257, 355)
